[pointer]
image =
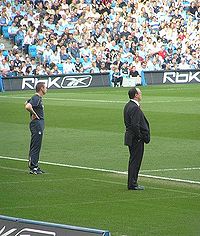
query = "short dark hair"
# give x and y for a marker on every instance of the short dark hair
(132, 92)
(39, 85)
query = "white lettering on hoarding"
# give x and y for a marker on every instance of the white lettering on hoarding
(28, 82)
(25, 231)
(191, 76)
(59, 82)
(53, 81)
(180, 77)
(3, 233)
(75, 82)
(31, 82)
(167, 77)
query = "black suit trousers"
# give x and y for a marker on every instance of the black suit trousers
(136, 154)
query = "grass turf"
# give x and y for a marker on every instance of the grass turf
(99, 200)
(85, 127)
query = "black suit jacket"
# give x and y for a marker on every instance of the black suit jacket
(137, 126)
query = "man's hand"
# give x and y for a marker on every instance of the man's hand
(29, 108)
(35, 116)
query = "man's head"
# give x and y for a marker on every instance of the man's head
(135, 93)
(41, 88)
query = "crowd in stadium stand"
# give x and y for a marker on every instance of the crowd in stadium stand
(85, 36)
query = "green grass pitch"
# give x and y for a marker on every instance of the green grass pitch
(84, 127)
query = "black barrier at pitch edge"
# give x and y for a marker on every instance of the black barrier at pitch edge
(62, 81)
(16, 227)
(96, 80)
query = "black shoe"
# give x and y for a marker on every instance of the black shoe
(36, 171)
(41, 170)
(139, 187)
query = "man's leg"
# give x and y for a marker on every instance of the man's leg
(35, 145)
(136, 154)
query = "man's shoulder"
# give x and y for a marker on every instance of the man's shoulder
(131, 106)
(35, 98)
(131, 103)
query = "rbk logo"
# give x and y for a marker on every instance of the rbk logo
(77, 81)
(81, 81)
(181, 77)
(25, 232)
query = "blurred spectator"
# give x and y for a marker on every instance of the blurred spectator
(74, 50)
(183, 65)
(33, 63)
(55, 57)
(68, 67)
(117, 78)
(48, 53)
(28, 70)
(55, 70)
(40, 48)
(4, 20)
(4, 68)
(192, 9)
(85, 51)
(12, 30)
(1, 55)
(78, 65)
(63, 54)
(17, 63)
(124, 71)
(28, 40)
(133, 72)
(87, 65)
(95, 69)
(102, 67)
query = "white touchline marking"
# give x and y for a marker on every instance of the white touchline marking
(171, 179)
(67, 99)
(105, 170)
(66, 165)
(102, 101)
(172, 169)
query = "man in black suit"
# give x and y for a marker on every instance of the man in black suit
(137, 133)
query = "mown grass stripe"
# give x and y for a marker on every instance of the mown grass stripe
(105, 101)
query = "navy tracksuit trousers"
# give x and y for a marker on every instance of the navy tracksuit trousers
(37, 129)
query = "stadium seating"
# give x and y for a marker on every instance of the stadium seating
(5, 53)
(161, 41)
(32, 51)
(19, 38)
(60, 67)
(5, 32)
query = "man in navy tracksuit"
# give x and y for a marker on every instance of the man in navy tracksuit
(35, 107)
